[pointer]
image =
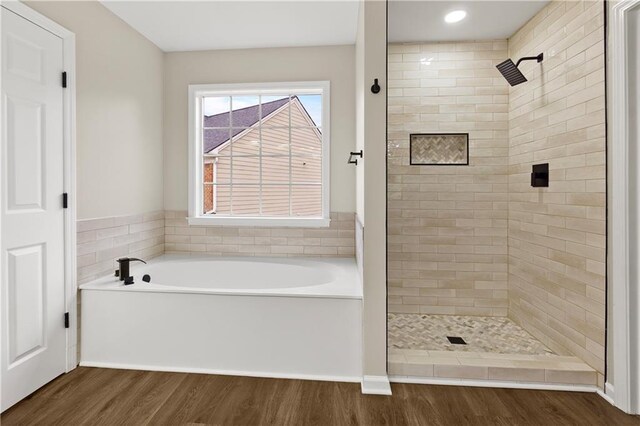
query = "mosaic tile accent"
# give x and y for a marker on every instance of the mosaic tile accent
(482, 334)
(439, 149)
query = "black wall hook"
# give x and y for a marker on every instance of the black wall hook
(354, 160)
(376, 87)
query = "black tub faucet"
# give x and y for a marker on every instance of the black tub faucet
(124, 262)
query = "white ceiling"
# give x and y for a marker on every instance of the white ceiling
(486, 20)
(240, 24)
(208, 25)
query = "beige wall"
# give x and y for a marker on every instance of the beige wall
(359, 106)
(119, 111)
(334, 63)
(557, 234)
(447, 225)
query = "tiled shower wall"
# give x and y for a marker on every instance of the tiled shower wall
(447, 225)
(557, 234)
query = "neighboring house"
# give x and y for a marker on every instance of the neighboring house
(234, 154)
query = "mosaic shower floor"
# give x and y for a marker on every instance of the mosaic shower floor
(496, 350)
(481, 334)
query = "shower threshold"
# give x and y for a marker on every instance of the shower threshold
(495, 352)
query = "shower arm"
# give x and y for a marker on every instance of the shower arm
(538, 58)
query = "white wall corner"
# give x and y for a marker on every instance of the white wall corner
(608, 393)
(376, 385)
(623, 282)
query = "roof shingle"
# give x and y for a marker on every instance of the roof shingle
(242, 118)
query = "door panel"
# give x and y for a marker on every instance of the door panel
(32, 242)
(24, 152)
(24, 59)
(26, 302)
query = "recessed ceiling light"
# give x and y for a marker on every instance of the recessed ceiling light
(455, 16)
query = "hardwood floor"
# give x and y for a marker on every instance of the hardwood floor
(93, 396)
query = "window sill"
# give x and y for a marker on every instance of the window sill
(260, 221)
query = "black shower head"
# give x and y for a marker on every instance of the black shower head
(510, 71)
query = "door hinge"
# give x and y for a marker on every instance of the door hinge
(66, 320)
(64, 79)
(65, 200)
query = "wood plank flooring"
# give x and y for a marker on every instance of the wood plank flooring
(94, 396)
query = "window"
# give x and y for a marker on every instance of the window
(259, 154)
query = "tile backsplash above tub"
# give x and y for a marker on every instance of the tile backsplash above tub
(336, 241)
(102, 241)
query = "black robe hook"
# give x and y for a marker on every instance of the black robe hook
(376, 87)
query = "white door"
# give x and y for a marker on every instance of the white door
(32, 247)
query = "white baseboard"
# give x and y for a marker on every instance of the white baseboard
(493, 384)
(376, 385)
(270, 375)
(607, 394)
(72, 358)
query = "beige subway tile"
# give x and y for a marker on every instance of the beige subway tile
(460, 372)
(92, 224)
(86, 237)
(516, 374)
(571, 377)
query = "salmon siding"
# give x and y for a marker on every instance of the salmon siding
(261, 164)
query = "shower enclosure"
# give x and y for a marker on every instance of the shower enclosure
(493, 276)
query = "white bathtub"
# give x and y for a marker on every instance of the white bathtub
(268, 317)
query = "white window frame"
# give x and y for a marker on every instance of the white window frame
(196, 172)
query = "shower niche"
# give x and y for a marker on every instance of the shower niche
(439, 149)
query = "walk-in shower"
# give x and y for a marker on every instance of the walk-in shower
(490, 277)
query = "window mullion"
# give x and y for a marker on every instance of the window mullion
(290, 166)
(260, 151)
(231, 155)
(202, 159)
(214, 188)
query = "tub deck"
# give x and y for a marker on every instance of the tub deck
(346, 286)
